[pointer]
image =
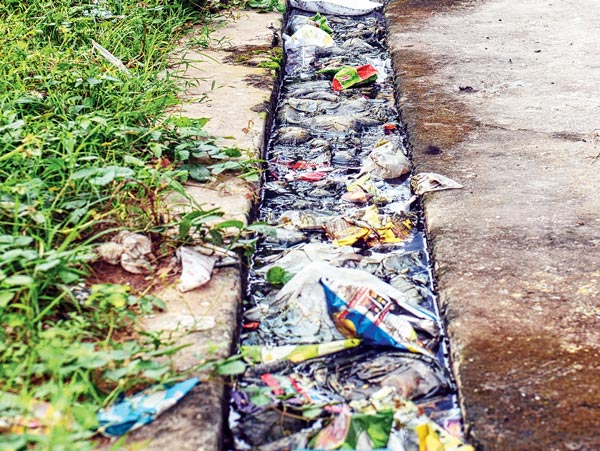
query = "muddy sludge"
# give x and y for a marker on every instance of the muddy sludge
(346, 222)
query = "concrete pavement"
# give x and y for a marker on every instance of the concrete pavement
(504, 97)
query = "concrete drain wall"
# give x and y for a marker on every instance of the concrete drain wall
(349, 259)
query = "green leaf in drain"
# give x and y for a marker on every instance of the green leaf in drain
(231, 366)
(278, 276)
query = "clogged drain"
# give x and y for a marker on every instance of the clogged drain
(340, 327)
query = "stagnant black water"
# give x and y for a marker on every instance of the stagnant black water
(319, 141)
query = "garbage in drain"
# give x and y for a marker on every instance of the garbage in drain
(337, 7)
(293, 353)
(340, 337)
(367, 226)
(386, 162)
(349, 76)
(358, 311)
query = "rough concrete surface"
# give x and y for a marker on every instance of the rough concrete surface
(226, 90)
(503, 96)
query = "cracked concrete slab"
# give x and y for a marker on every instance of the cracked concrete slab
(503, 97)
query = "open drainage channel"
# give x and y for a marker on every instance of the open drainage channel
(349, 352)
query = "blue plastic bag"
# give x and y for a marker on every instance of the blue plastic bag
(141, 408)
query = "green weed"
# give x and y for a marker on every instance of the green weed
(86, 150)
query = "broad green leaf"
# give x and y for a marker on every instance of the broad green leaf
(231, 367)
(18, 279)
(278, 276)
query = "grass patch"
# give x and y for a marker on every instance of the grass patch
(86, 150)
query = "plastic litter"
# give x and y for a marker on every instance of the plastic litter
(363, 190)
(356, 273)
(356, 431)
(359, 311)
(35, 417)
(128, 249)
(349, 76)
(304, 220)
(321, 22)
(361, 375)
(426, 182)
(337, 7)
(298, 314)
(111, 58)
(293, 353)
(196, 268)
(386, 162)
(309, 36)
(367, 226)
(432, 437)
(296, 258)
(142, 408)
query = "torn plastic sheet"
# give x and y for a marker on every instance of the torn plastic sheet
(294, 259)
(350, 76)
(196, 268)
(359, 311)
(140, 409)
(426, 182)
(359, 375)
(337, 7)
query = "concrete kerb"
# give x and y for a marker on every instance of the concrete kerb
(234, 93)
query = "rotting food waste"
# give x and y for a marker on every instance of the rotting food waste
(340, 328)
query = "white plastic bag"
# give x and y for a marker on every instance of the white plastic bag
(196, 268)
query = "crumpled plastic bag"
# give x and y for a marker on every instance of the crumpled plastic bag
(140, 409)
(426, 182)
(386, 162)
(130, 250)
(309, 36)
(196, 268)
(296, 258)
(337, 7)
(411, 376)
(360, 311)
